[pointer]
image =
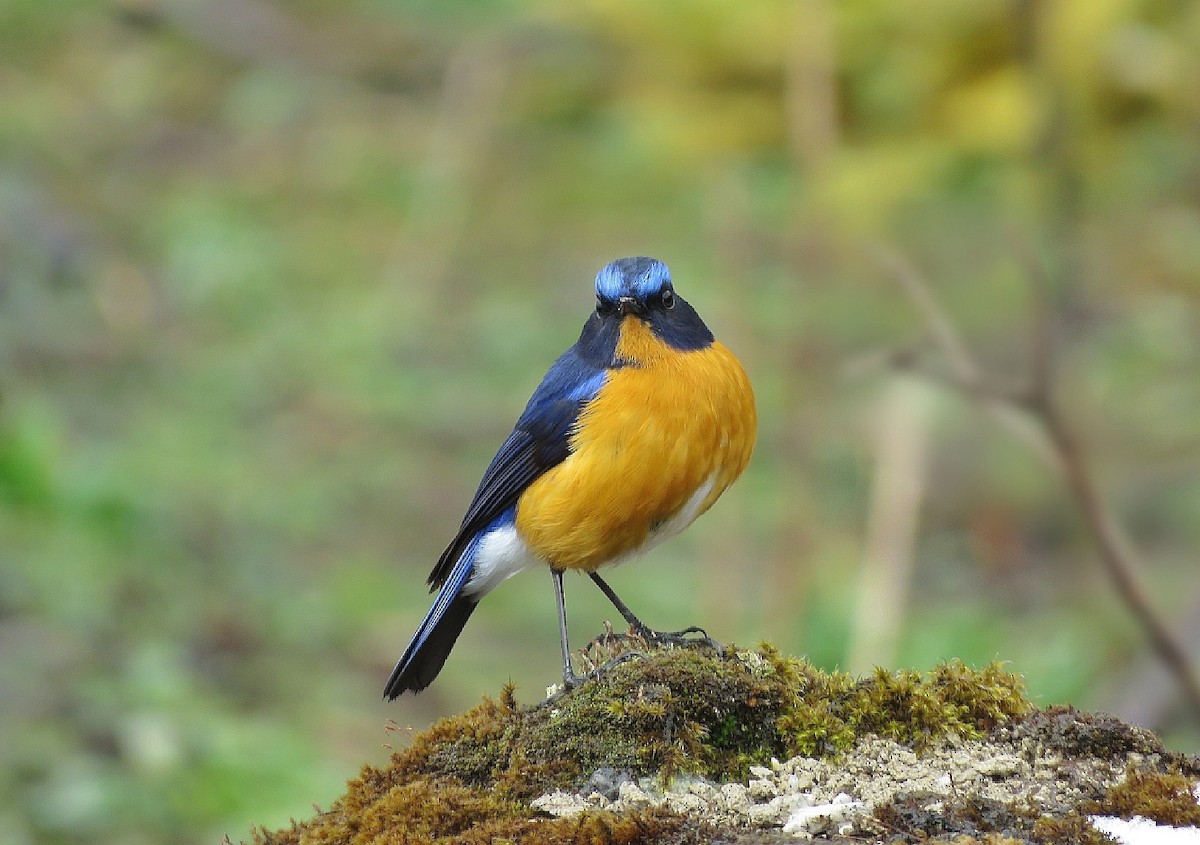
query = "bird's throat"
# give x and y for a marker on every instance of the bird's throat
(638, 344)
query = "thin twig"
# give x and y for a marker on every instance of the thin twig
(1008, 396)
(940, 326)
(1058, 442)
(1006, 409)
(1042, 331)
(1117, 554)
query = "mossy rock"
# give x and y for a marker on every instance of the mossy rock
(692, 717)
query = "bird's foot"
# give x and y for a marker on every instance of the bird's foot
(611, 649)
(606, 646)
(612, 663)
(643, 638)
(677, 639)
(572, 681)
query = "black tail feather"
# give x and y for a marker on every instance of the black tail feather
(427, 652)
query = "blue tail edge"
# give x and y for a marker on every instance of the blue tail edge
(430, 646)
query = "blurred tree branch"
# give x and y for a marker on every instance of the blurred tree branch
(1034, 413)
(901, 446)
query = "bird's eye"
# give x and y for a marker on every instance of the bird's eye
(668, 299)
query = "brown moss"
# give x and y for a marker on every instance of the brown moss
(917, 818)
(471, 747)
(1071, 829)
(1166, 798)
(597, 828)
(1075, 734)
(415, 811)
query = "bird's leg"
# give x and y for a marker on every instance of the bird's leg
(647, 633)
(570, 679)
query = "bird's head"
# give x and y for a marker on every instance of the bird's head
(634, 286)
(641, 288)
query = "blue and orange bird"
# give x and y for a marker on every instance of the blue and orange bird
(632, 434)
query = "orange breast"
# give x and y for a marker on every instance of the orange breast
(657, 431)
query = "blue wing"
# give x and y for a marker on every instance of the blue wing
(539, 441)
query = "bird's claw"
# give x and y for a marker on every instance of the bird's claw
(610, 649)
(680, 639)
(642, 635)
(572, 681)
(623, 657)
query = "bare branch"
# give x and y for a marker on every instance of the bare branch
(1036, 412)
(1002, 408)
(975, 386)
(1121, 562)
(938, 321)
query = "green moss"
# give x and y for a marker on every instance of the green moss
(471, 777)
(691, 711)
(675, 711)
(829, 711)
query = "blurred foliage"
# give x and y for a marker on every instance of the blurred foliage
(276, 278)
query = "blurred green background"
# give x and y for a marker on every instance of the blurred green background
(276, 278)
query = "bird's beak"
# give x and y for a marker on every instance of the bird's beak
(629, 305)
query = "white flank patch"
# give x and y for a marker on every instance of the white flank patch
(684, 517)
(502, 554)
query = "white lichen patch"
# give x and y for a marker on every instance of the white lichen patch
(809, 797)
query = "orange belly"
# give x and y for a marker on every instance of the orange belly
(658, 431)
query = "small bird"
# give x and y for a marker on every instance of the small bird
(632, 434)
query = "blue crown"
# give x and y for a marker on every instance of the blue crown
(639, 277)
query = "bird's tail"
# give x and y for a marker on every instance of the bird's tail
(457, 597)
(430, 646)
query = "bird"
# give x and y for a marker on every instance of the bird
(633, 433)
